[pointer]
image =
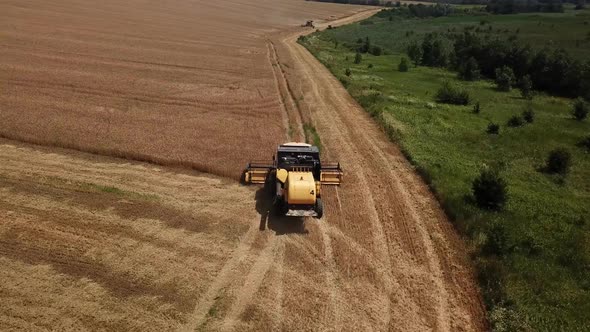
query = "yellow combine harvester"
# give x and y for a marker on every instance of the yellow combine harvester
(295, 175)
(308, 24)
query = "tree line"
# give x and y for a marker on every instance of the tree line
(353, 2)
(508, 61)
(418, 10)
(524, 6)
(492, 6)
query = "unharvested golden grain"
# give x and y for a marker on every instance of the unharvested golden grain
(174, 83)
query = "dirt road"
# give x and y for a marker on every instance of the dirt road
(383, 213)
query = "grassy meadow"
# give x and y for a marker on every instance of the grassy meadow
(533, 257)
(569, 30)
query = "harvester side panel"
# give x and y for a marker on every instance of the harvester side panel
(257, 171)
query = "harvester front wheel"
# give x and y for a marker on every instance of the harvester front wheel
(280, 207)
(319, 208)
(269, 184)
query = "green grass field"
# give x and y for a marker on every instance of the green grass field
(569, 30)
(539, 276)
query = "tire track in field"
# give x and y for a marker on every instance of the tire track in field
(294, 127)
(277, 320)
(252, 282)
(330, 272)
(286, 117)
(271, 255)
(224, 278)
(429, 247)
(300, 119)
(352, 244)
(379, 239)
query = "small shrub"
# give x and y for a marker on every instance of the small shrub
(559, 161)
(497, 241)
(359, 41)
(348, 72)
(370, 65)
(369, 99)
(415, 53)
(528, 114)
(577, 255)
(585, 143)
(493, 129)
(358, 58)
(505, 319)
(505, 78)
(476, 108)
(450, 94)
(376, 50)
(469, 70)
(580, 109)
(526, 87)
(403, 65)
(492, 277)
(344, 81)
(366, 47)
(490, 190)
(515, 121)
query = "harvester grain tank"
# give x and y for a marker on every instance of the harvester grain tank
(295, 175)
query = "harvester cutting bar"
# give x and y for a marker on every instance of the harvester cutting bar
(331, 173)
(257, 171)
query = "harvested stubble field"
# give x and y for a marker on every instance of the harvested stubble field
(89, 243)
(94, 242)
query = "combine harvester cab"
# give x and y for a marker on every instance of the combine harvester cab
(295, 176)
(308, 24)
